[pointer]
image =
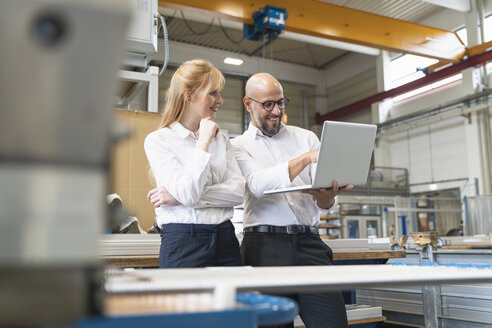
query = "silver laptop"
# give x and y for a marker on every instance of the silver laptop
(344, 154)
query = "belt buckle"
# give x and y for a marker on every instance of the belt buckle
(292, 229)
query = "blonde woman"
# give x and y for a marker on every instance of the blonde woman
(198, 179)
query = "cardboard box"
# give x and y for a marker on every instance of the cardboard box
(130, 169)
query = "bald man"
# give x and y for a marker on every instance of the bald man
(281, 229)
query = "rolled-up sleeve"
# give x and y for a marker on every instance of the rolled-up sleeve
(184, 181)
(260, 179)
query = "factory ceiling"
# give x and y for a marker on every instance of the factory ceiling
(224, 34)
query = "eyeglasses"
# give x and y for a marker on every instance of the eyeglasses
(269, 105)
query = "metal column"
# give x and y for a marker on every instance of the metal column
(431, 294)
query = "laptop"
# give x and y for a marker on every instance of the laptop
(344, 154)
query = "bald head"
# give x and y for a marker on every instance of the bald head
(262, 84)
(261, 89)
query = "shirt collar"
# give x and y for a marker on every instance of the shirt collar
(254, 132)
(182, 131)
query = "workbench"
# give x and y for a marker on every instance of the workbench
(339, 257)
(285, 279)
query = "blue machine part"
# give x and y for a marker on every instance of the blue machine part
(268, 20)
(271, 310)
(238, 317)
(454, 265)
(403, 224)
(257, 309)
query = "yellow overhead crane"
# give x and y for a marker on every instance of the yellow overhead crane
(334, 22)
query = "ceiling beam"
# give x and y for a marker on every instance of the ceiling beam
(475, 50)
(338, 23)
(324, 42)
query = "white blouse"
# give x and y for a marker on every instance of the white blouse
(207, 184)
(264, 162)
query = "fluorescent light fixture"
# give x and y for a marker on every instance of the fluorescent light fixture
(433, 186)
(233, 61)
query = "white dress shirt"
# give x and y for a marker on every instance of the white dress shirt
(207, 184)
(264, 163)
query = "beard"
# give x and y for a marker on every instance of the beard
(264, 126)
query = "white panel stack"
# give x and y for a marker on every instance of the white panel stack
(348, 245)
(354, 312)
(360, 312)
(129, 244)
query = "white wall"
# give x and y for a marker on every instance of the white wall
(357, 87)
(449, 150)
(431, 100)
(425, 151)
(347, 67)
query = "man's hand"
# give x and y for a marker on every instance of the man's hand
(160, 196)
(312, 156)
(298, 164)
(326, 197)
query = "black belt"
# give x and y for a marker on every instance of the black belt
(290, 229)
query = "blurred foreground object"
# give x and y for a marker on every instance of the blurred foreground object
(58, 67)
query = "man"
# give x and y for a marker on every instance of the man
(281, 229)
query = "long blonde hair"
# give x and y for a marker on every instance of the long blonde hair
(191, 76)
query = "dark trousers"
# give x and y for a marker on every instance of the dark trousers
(281, 249)
(198, 245)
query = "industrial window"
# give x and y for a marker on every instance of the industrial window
(407, 68)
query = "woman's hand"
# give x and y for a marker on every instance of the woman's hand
(160, 196)
(207, 131)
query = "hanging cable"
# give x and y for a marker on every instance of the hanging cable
(192, 30)
(166, 43)
(228, 37)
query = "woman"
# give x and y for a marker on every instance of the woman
(198, 179)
